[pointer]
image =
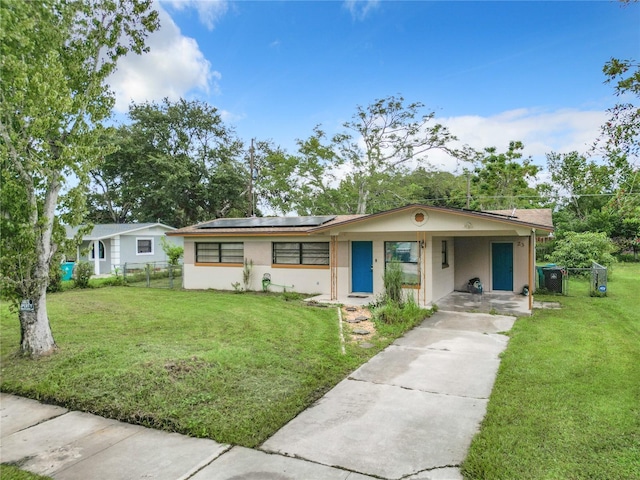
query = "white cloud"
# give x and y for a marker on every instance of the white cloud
(174, 67)
(540, 131)
(209, 11)
(360, 9)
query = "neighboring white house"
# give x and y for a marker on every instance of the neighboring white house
(439, 250)
(120, 243)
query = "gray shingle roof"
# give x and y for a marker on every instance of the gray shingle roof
(107, 230)
(537, 216)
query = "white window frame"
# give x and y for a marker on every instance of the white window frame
(144, 253)
(92, 255)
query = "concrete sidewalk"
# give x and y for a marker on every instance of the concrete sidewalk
(410, 412)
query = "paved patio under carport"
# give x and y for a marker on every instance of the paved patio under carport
(503, 303)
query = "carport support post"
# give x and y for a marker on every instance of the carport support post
(333, 266)
(532, 256)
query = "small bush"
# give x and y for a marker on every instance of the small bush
(55, 278)
(115, 281)
(628, 258)
(173, 252)
(411, 308)
(579, 250)
(393, 283)
(246, 273)
(389, 313)
(543, 250)
(82, 274)
(292, 296)
(392, 313)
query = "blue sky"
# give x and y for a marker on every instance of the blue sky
(492, 71)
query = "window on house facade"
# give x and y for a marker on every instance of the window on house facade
(407, 255)
(100, 251)
(301, 253)
(144, 246)
(445, 254)
(220, 252)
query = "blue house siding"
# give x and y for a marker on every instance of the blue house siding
(121, 244)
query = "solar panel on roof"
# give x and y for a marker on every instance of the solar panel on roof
(253, 222)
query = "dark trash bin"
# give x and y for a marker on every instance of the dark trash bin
(553, 279)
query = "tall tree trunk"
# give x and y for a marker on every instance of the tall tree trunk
(36, 338)
(363, 196)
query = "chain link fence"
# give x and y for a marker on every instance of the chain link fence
(152, 275)
(598, 286)
(554, 279)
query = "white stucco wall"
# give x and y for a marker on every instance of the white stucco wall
(298, 278)
(469, 239)
(443, 276)
(474, 260)
(302, 280)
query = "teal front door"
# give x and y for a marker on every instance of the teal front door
(362, 267)
(502, 266)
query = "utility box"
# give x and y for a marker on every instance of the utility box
(553, 279)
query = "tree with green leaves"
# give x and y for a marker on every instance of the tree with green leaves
(177, 162)
(173, 252)
(353, 171)
(304, 183)
(581, 185)
(621, 132)
(504, 180)
(384, 137)
(56, 56)
(431, 187)
(580, 249)
(269, 174)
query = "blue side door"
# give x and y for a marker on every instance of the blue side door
(362, 267)
(502, 266)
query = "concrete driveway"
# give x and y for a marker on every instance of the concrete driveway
(412, 410)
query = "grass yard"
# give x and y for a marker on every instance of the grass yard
(10, 472)
(234, 368)
(566, 403)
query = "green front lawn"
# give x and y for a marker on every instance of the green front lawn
(230, 367)
(566, 403)
(10, 472)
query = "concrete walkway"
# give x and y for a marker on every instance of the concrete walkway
(410, 412)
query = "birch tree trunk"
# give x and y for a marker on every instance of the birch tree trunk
(36, 338)
(56, 57)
